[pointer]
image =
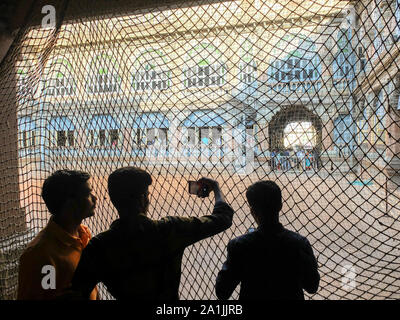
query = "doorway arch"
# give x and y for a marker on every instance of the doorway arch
(290, 114)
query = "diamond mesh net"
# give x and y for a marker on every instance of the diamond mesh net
(305, 93)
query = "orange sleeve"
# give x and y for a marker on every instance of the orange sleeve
(94, 294)
(30, 276)
(85, 235)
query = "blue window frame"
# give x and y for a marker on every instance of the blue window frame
(343, 131)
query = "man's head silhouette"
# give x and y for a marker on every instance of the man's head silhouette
(265, 200)
(128, 188)
(69, 192)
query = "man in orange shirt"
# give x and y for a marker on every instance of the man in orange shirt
(48, 263)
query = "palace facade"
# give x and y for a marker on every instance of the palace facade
(211, 80)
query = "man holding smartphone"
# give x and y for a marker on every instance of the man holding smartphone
(138, 257)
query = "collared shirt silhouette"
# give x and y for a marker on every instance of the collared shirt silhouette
(69, 199)
(270, 263)
(140, 258)
(56, 247)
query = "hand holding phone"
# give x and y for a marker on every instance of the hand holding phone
(198, 188)
(202, 187)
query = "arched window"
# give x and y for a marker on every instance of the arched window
(247, 75)
(59, 79)
(104, 132)
(151, 72)
(342, 67)
(301, 65)
(295, 68)
(103, 75)
(205, 67)
(344, 62)
(24, 86)
(378, 25)
(247, 71)
(62, 132)
(247, 65)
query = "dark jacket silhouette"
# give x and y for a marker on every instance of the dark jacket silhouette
(140, 258)
(271, 263)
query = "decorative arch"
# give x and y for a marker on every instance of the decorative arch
(205, 67)
(247, 64)
(295, 59)
(151, 71)
(344, 62)
(294, 113)
(103, 75)
(24, 86)
(59, 77)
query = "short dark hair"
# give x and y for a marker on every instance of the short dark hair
(265, 198)
(61, 186)
(126, 185)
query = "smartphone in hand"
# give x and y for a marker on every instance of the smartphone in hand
(199, 189)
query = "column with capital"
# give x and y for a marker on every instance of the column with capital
(82, 143)
(262, 141)
(126, 143)
(327, 134)
(174, 140)
(392, 158)
(227, 142)
(392, 139)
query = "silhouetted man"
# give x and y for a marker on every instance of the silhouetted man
(48, 263)
(138, 257)
(270, 262)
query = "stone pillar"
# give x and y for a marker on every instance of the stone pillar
(393, 138)
(204, 146)
(227, 141)
(250, 145)
(184, 144)
(216, 146)
(161, 144)
(82, 140)
(126, 142)
(81, 143)
(12, 217)
(191, 143)
(327, 135)
(174, 137)
(263, 137)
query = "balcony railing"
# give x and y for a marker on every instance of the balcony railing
(294, 86)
